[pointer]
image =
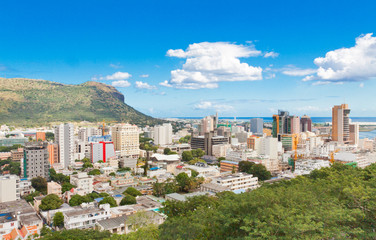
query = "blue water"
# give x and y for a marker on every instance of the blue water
(370, 135)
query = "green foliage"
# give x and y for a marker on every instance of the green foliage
(148, 147)
(109, 200)
(34, 102)
(126, 169)
(197, 153)
(12, 167)
(58, 177)
(127, 200)
(257, 170)
(185, 139)
(39, 184)
(76, 234)
(167, 187)
(45, 231)
(196, 160)
(78, 199)
(50, 202)
(166, 151)
(194, 173)
(66, 187)
(112, 174)
(95, 172)
(30, 197)
(8, 149)
(330, 203)
(58, 219)
(50, 136)
(221, 158)
(182, 180)
(149, 232)
(187, 156)
(132, 191)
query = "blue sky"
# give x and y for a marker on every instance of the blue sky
(240, 58)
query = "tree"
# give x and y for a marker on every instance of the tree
(109, 200)
(95, 172)
(58, 219)
(77, 200)
(194, 173)
(128, 200)
(30, 197)
(221, 158)
(183, 181)
(50, 136)
(112, 174)
(132, 191)
(78, 234)
(166, 151)
(39, 184)
(67, 187)
(50, 202)
(187, 156)
(257, 170)
(45, 231)
(199, 152)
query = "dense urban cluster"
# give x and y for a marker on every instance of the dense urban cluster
(189, 179)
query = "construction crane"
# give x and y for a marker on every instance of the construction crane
(295, 142)
(332, 155)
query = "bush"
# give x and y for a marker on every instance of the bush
(128, 200)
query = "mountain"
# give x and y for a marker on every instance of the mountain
(35, 102)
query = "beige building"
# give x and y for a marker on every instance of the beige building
(126, 139)
(54, 188)
(9, 188)
(237, 181)
(83, 182)
(340, 123)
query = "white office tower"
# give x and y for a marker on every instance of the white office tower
(126, 139)
(163, 134)
(9, 188)
(64, 137)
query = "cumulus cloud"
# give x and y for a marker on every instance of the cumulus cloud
(207, 64)
(271, 54)
(115, 76)
(361, 85)
(144, 85)
(209, 105)
(121, 83)
(356, 63)
(144, 75)
(298, 71)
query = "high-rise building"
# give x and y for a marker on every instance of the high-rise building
(102, 151)
(53, 151)
(295, 124)
(126, 139)
(305, 124)
(281, 125)
(9, 188)
(257, 126)
(64, 137)
(340, 123)
(207, 141)
(163, 134)
(35, 162)
(208, 123)
(354, 134)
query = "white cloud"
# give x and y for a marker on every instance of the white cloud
(208, 105)
(165, 84)
(207, 64)
(348, 64)
(144, 85)
(121, 83)
(361, 85)
(298, 71)
(144, 75)
(115, 76)
(271, 54)
(116, 66)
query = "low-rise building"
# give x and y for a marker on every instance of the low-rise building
(86, 216)
(83, 182)
(54, 188)
(9, 188)
(237, 181)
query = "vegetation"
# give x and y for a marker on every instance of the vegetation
(76, 234)
(168, 151)
(10, 166)
(78, 199)
(182, 183)
(95, 172)
(331, 203)
(39, 184)
(167, 187)
(132, 191)
(58, 219)
(148, 232)
(30, 197)
(128, 200)
(257, 170)
(126, 169)
(190, 155)
(28, 102)
(109, 200)
(67, 187)
(8, 149)
(50, 202)
(185, 139)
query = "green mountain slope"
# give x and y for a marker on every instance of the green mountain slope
(31, 102)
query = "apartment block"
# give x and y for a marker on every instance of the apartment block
(36, 161)
(126, 139)
(9, 188)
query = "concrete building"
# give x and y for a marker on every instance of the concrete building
(40, 136)
(220, 150)
(53, 153)
(163, 134)
(126, 139)
(102, 151)
(229, 166)
(257, 126)
(9, 188)
(354, 134)
(17, 154)
(64, 134)
(83, 182)
(207, 142)
(208, 124)
(340, 123)
(86, 216)
(237, 181)
(295, 124)
(54, 188)
(36, 161)
(305, 124)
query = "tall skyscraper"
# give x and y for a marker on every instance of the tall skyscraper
(295, 124)
(64, 137)
(305, 124)
(126, 139)
(340, 123)
(354, 133)
(163, 134)
(35, 162)
(281, 125)
(257, 126)
(208, 123)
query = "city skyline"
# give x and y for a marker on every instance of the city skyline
(173, 59)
